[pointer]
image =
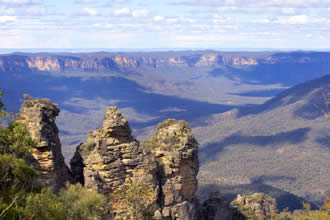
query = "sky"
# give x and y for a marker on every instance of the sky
(165, 24)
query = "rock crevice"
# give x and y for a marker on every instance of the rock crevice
(168, 163)
(39, 115)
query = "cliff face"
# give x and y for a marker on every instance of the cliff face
(176, 151)
(256, 206)
(112, 158)
(107, 62)
(38, 115)
(58, 63)
(168, 163)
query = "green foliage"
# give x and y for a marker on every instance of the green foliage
(44, 205)
(81, 203)
(15, 140)
(16, 182)
(136, 198)
(3, 113)
(170, 140)
(15, 175)
(171, 121)
(151, 143)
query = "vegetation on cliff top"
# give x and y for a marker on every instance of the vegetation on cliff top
(21, 197)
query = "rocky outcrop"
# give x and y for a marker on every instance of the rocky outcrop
(111, 158)
(256, 206)
(38, 115)
(176, 152)
(217, 208)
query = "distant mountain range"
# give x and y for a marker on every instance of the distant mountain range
(281, 145)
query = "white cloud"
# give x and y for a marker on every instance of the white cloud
(20, 2)
(89, 12)
(141, 13)
(298, 19)
(288, 10)
(6, 11)
(35, 11)
(120, 1)
(4, 19)
(158, 18)
(217, 19)
(260, 3)
(122, 12)
(308, 35)
(172, 20)
(86, 1)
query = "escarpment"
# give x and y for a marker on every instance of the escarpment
(168, 163)
(130, 62)
(38, 115)
(111, 158)
(176, 152)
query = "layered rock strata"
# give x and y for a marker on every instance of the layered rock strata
(256, 206)
(176, 152)
(39, 115)
(111, 158)
(217, 208)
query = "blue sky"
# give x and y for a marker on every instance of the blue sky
(152, 24)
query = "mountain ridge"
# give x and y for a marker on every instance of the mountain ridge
(283, 143)
(103, 62)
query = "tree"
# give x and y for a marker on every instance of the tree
(135, 199)
(44, 205)
(81, 203)
(3, 113)
(16, 140)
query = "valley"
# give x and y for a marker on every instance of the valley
(280, 147)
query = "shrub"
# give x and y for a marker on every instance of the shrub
(136, 199)
(81, 203)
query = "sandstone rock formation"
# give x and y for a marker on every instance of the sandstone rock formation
(111, 158)
(217, 208)
(256, 206)
(38, 115)
(176, 151)
(108, 62)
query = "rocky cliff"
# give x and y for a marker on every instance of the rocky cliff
(256, 206)
(108, 62)
(176, 151)
(38, 115)
(111, 159)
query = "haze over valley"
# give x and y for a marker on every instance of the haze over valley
(280, 147)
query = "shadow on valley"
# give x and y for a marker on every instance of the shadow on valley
(284, 199)
(259, 93)
(211, 151)
(125, 94)
(288, 69)
(310, 93)
(324, 141)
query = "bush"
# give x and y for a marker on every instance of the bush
(3, 113)
(135, 199)
(81, 203)
(16, 140)
(44, 205)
